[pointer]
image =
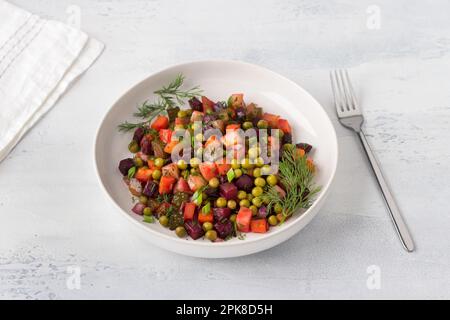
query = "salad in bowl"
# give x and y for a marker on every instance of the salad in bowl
(214, 169)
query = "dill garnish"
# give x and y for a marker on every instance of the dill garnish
(297, 177)
(168, 97)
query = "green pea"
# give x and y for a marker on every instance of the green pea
(207, 226)
(214, 183)
(182, 114)
(257, 191)
(147, 211)
(273, 221)
(159, 162)
(180, 232)
(278, 208)
(237, 173)
(265, 170)
(242, 195)
(235, 164)
(143, 199)
(244, 203)
(253, 153)
(156, 175)
(221, 202)
(247, 125)
(246, 164)
(133, 147)
(138, 162)
(250, 197)
(260, 182)
(259, 162)
(231, 204)
(257, 202)
(272, 180)
(254, 210)
(182, 165)
(195, 162)
(164, 221)
(211, 235)
(262, 124)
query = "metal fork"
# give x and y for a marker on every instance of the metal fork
(350, 116)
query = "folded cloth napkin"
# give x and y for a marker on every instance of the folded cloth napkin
(39, 59)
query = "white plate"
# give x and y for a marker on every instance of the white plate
(219, 79)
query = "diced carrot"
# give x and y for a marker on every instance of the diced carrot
(272, 119)
(181, 121)
(311, 165)
(233, 126)
(222, 167)
(151, 163)
(161, 122)
(259, 225)
(208, 170)
(169, 147)
(189, 211)
(166, 184)
(165, 135)
(208, 105)
(243, 219)
(284, 126)
(143, 174)
(205, 217)
(300, 152)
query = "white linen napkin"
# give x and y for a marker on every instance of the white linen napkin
(39, 59)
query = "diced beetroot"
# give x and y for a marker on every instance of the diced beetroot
(221, 214)
(224, 228)
(196, 104)
(262, 212)
(212, 192)
(228, 191)
(146, 145)
(245, 183)
(193, 229)
(305, 146)
(150, 189)
(125, 165)
(138, 134)
(138, 208)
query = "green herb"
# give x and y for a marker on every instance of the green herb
(207, 208)
(168, 97)
(230, 175)
(297, 178)
(131, 172)
(172, 93)
(149, 219)
(197, 198)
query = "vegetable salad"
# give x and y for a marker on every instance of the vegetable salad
(254, 178)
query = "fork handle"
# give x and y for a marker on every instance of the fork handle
(394, 211)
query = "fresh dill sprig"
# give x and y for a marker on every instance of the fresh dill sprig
(169, 96)
(172, 93)
(297, 177)
(127, 126)
(150, 110)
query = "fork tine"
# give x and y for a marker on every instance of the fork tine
(335, 90)
(351, 91)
